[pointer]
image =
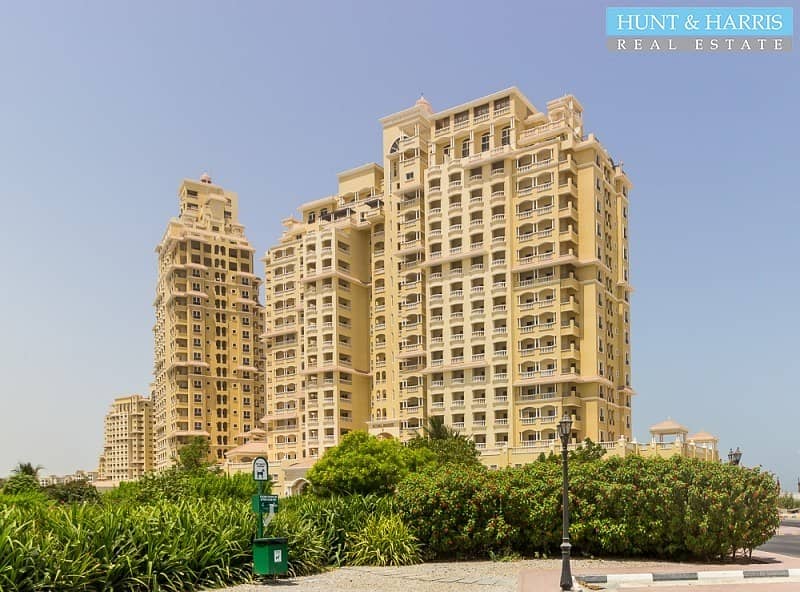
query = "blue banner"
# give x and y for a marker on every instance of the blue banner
(700, 22)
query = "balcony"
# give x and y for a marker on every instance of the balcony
(532, 135)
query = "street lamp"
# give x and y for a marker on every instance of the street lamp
(564, 432)
(734, 457)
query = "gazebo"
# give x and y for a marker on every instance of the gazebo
(668, 430)
(704, 440)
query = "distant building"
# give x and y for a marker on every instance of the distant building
(127, 440)
(79, 475)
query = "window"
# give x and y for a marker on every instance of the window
(484, 142)
(196, 342)
(464, 148)
(195, 314)
(198, 425)
(505, 136)
(198, 412)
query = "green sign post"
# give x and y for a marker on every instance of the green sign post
(270, 555)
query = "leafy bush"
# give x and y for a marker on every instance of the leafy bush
(363, 464)
(162, 546)
(457, 449)
(788, 502)
(382, 540)
(74, 491)
(20, 483)
(176, 484)
(672, 508)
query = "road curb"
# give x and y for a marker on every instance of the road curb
(739, 575)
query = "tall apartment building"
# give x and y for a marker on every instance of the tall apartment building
(480, 274)
(208, 356)
(127, 439)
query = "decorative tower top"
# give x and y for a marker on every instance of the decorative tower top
(423, 102)
(205, 178)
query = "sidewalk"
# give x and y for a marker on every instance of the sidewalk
(531, 575)
(544, 580)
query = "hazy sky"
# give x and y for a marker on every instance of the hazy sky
(106, 106)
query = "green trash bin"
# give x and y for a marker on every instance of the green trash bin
(270, 556)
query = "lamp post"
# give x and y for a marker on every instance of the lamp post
(734, 457)
(564, 432)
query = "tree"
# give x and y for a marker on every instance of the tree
(74, 491)
(587, 452)
(194, 455)
(26, 468)
(447, 445)
(21, 483)
(436, 429)
(363, 464)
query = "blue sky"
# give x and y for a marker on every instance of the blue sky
(105, 107)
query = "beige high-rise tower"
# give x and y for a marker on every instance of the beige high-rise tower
(480, 274)
(127, 439)
(208, 356)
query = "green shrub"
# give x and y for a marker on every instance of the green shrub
(672, 508)
(20, 483)
(177, 484)
(162, 546)
(74, 491)
(334, 517)
(363, 464)
(307, 547)
(382, 540)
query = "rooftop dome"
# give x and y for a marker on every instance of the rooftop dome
(668, 426)
(205, 178)
(423, 102)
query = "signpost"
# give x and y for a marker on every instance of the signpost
(270, 555)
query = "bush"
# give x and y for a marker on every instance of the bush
(74, 491)
(332, 518)
(457, 449)
(363, 464)
(177, 484)
(788, 502)
(21, 483)
(674, 508)
(382, 540)
(162, 546)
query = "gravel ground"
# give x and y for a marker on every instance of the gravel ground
(472, 576)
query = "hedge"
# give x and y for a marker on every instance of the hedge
(676, 509)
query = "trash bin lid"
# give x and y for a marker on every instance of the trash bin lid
(272, 540)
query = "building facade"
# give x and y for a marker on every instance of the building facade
(479, 274)
(127, 439)
(208, 354)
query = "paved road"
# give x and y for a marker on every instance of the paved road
(785, 543)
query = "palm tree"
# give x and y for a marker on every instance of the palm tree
(437, 430)
(26, 468)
